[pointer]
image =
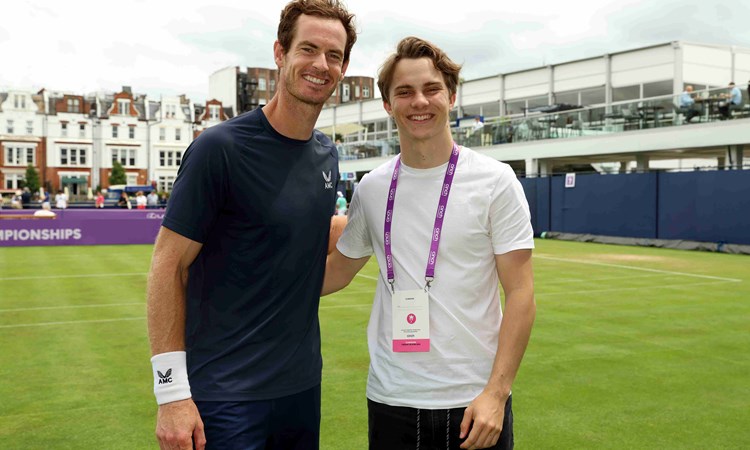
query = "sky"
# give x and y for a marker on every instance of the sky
(167, 47)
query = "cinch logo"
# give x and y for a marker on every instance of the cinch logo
(446, 188)
(388, 260)
(441, 211)
(327, 183)
(436, 234)
(387, 238)
(391, 194)
(451, 168)
(432, 257)
(388, 216)
(165, 378)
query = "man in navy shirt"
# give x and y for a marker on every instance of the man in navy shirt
(238, 264)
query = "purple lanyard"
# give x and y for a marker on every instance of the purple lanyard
(429, 275)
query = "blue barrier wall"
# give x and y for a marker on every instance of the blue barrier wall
(698, 206)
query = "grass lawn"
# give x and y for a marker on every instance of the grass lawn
(633, 347)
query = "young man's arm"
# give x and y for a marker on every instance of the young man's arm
(488, 409)
(340, 271)
(178, 423)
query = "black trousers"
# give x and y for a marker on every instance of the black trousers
(402, 428)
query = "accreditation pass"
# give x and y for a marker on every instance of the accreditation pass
(411, 321)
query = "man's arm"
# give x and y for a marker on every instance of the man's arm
(340, 271)
(488, 409)
(178, 423)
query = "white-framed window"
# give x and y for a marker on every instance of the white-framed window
(74, 105)
(344, 92)
(366, 91)
(261, 84)
(71, 156)
(132, 178)
(9, 126)
(356, 91)
(19, 101)
(115, 131)
(81, 130)
(14, 180)
(213, 112)
(170, 111)
(170, 158)
(20, 156)
(162, 134)
(29, 127)
(123, 107)
(165, 183)
(64, 129)
(273, 85)
(126, 156)
(177, 134)
(131, 132)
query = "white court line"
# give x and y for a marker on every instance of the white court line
(93, 275)
(40, 308)
(620, 266)
(635, 288)
(367, 276)
(69, 322)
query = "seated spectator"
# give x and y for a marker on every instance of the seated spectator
(124, 201)
(733, 103)
(99, 202)
(152, 200)
(140, 200)
(16, 202)
(687, 104)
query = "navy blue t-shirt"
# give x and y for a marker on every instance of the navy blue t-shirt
(261, 205)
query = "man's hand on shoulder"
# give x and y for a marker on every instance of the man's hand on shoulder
(179, 425)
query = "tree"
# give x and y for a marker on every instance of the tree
(118, 174)
(32, 179)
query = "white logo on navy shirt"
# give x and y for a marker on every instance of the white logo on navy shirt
(327, 183)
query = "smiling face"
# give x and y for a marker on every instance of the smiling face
(419, 100)
(314, 63)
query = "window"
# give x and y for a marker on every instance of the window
(64, 129)
(169, 158)
(19, 101)
(131, 132)
(273, 84)
(74, 105)
(10, 126)
(162, 134)
(82, 130)
(624, 93)
(171, 111)
(72, 156)
(657, 88)
(29, 127)
(213, 112)
(177, 134)
(126, 156)
(261, 84)
(594, 96)
(14, 181)
(366, 91)
(166, 183)
(356, 92)
(132, 178)
(114, 131)
(344, 92)
(19, 156)
(123, 107)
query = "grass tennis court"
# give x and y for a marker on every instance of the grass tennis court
(635, 348)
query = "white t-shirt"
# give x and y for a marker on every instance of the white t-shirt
(487, 214)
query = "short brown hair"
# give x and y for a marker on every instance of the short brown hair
(328, 9)
(412, 48)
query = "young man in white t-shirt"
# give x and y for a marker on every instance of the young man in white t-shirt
(446, 225)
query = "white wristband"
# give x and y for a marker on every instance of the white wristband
(170, 377)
